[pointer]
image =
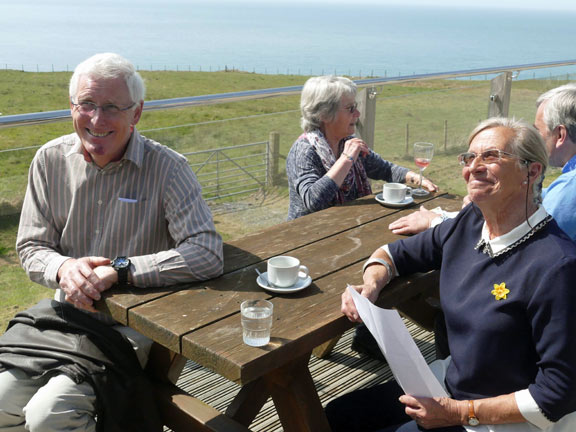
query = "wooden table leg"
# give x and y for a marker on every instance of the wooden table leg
(248, 402)
(165, 365)
(324, 350)
(294, 394)
(296, 399)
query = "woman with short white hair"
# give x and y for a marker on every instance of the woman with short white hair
(328, 165)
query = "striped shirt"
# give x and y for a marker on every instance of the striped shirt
(147, 206)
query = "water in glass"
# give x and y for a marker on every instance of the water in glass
(256, 324)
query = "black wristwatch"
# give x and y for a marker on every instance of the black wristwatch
(121, 264)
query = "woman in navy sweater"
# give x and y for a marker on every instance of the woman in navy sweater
(507, 275)
(327, 165)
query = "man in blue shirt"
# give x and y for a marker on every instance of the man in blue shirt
(556, 122)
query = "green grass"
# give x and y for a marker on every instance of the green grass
(440, 111)
(17, 292)
(209, 127)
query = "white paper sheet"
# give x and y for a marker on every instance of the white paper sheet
(403, 356)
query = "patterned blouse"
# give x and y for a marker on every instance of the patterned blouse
(312, 190)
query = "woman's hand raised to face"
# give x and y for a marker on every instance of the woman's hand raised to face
(352, 149)
(355, 147)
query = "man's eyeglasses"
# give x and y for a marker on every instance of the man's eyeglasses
(351, 108)
(487, 156)
(89, 108)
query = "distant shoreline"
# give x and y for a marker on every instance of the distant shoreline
(282, 38)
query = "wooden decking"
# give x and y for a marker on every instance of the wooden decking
(344, 370)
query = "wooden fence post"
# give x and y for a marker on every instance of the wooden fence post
(499, 100)
(273, 157)
(366, 123)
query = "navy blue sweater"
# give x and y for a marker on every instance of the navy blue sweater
(527, 340)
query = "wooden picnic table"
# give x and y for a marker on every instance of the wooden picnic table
(201, 321)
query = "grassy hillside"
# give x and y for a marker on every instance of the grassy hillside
(442, 112)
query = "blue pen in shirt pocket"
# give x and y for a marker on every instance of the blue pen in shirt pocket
(127, 200)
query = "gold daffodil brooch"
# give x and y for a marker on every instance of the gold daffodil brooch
(500, 291)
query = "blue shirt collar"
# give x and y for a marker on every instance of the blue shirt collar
(570, 165)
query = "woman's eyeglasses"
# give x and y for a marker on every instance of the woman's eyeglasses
(351, 108)
(487, 156)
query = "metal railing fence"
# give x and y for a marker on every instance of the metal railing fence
(162, 104)
(440, 108)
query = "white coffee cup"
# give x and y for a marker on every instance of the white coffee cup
(284, 271)
(395, 192)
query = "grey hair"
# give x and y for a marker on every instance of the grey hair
(109, 66)
(560, 109)
(320, 100)
(526, 143)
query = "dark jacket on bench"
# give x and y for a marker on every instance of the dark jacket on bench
(53, 337)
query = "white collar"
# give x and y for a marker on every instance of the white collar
(508, 241)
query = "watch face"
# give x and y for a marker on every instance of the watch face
(473, 421)
(120, 262)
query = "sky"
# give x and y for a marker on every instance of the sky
(514, 4)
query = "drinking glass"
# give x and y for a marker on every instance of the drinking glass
(423, 152)
(256, 321)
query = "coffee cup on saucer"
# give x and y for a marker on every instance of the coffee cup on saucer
(284, 271)
(396, 192)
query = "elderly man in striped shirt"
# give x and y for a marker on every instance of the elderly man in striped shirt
(104, 206)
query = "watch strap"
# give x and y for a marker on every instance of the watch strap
(472, 419)
(122, 275)
(122, 265)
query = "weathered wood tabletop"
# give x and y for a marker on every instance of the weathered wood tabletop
(201, 321)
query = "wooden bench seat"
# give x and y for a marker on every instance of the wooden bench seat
(179, 410)
(182, 412)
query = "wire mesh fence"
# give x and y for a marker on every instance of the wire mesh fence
(230, 171)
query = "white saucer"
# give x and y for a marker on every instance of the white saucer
(299, 286)
(407, 201)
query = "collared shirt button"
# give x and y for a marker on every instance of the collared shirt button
(97, 231)
(99, 202)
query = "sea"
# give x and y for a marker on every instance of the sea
(279, 37)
